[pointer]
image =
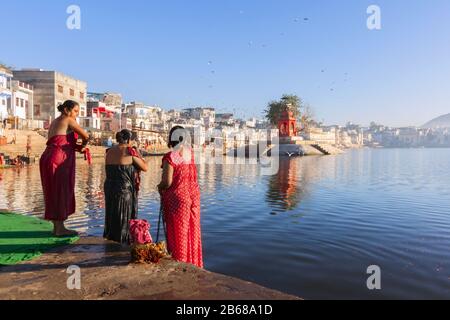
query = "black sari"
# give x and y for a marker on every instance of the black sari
(120, 202)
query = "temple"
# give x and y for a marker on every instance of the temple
(287, 124)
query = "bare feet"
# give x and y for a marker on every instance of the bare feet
(59, 230)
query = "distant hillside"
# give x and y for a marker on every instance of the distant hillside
(440, 122)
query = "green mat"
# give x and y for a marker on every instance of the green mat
(23, 238)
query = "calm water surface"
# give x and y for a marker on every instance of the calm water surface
(311, 230)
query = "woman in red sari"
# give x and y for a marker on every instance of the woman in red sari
(180, 196)
(57, 167)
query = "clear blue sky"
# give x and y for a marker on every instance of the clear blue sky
(240, 54)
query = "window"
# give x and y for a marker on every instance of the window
(3, 102)
(22, 103)
(26, 104)
(37, 110)
(82, 95)
(60, 89)
(17, 101)
(72, 92)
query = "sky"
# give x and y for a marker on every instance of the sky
(238, 55)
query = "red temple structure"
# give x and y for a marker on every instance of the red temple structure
(287, 124)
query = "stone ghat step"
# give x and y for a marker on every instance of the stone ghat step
(108, 275)
(22, 137)
(38, 143)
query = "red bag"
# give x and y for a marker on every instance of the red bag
(140, 232)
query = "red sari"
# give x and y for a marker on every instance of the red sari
(57, 167)
(181, 206)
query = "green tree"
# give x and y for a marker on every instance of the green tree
(301, 111)
(276, 108)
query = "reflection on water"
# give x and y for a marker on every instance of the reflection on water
(284, 193)
(311, 230)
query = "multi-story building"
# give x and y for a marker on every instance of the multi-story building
(139, 115)
(20, 105)
(51, 89)
(146, 117)
(112, 99)
(108, 98)
(321, 135)
(5, 91)
(409, 136)
(104, 111)
(356, 137)
(206, 115)
(101, 117)
(251, 123)
(173, 115)
(225, 119)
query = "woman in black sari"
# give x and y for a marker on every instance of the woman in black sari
(123, 164)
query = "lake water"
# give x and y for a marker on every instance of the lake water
(311, 230)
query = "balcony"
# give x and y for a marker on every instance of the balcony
(5, 92)
(25, 85)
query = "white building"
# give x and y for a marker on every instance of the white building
(320, 135)
(207, 116)
(20, 104)
(251, 123)
(139, 115)
(5, 91)
(92, 122)
(225, 119)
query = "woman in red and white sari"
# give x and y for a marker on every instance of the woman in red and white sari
(180, 194)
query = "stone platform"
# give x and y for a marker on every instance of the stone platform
(106, 274)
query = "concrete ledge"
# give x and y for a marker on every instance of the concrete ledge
(107, 275)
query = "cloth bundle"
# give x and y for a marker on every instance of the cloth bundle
(86, 152)
(139, 232)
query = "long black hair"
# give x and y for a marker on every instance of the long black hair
(67, 106)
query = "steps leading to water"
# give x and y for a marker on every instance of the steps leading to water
(321, 149)
(38, 143)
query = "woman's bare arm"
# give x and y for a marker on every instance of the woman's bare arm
(78, 129)
(141, 164)
(167, 177)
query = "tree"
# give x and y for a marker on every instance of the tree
(301, 111)
(276, 108)
(306, 120)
